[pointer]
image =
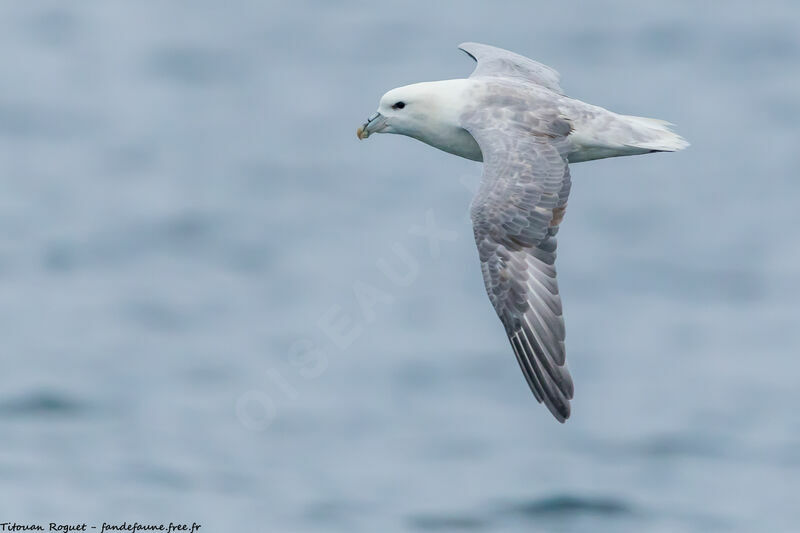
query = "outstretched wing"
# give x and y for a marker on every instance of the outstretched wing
(515, 215)
(493, 61)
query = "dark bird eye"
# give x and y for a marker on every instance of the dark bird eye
(399, 105)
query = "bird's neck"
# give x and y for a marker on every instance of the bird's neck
(441, 127)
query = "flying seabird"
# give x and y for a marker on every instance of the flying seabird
(512, 115)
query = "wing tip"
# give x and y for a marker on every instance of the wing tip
(555, 394)
(561, 415)
(465, 47)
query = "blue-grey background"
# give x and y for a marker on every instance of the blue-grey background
(184, 203)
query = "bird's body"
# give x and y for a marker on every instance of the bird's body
(596, 133)
(512, 114)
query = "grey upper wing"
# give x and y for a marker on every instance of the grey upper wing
(493, 61)
(515, 217)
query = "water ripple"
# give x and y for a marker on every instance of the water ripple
(569, 504)
(432, 522)
(42, 403)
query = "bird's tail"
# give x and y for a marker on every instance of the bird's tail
(652, 134)
(599, 133)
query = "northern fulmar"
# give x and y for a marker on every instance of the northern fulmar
(512, 114)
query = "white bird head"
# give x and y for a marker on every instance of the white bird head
(405, 110)
(428, 112)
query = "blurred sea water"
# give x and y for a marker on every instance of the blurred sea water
(216, 305)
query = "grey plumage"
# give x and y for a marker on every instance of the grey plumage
(493, 61)
(515, 216)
